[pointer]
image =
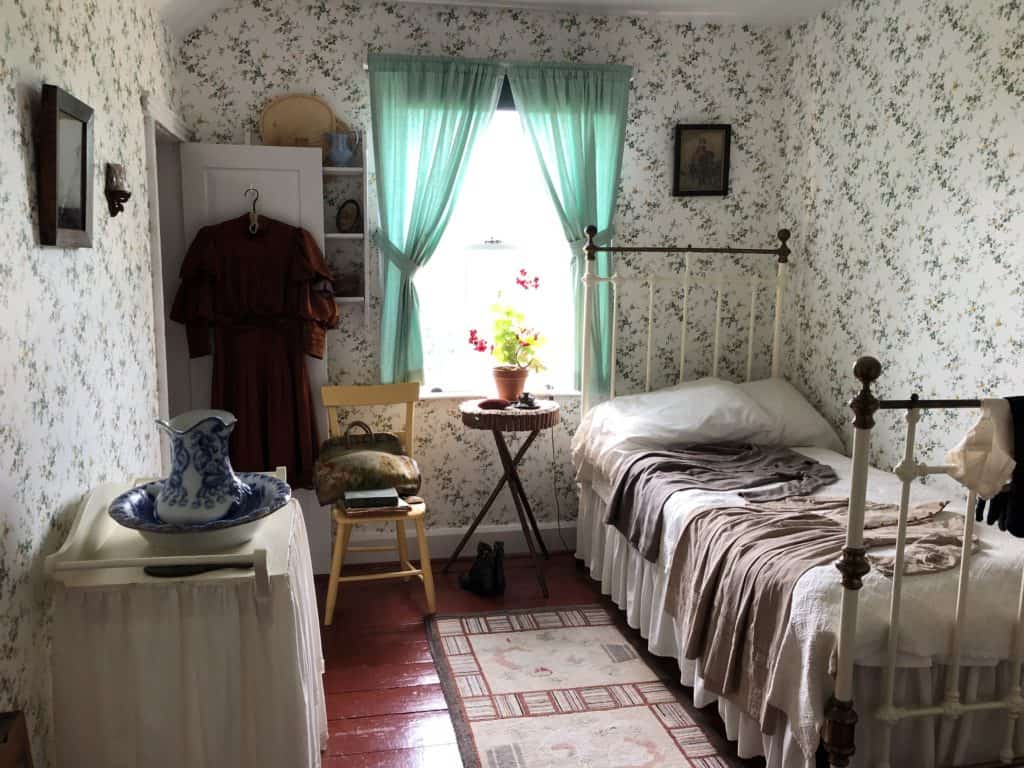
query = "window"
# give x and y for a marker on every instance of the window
(504, 221)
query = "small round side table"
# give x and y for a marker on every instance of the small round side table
(545, 416)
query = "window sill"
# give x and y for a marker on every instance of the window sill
(426, 394)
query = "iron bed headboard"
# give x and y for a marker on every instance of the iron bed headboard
(840, 715)
(591, 279)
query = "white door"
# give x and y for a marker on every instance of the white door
(214, 178)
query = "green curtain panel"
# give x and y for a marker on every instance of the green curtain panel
(576, 118)
(427, 114)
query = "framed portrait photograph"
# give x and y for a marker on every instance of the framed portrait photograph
(701, 160)
(65, 170)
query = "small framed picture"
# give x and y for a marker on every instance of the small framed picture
(65, 170)
(701, 160)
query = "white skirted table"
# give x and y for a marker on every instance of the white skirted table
(218, 670)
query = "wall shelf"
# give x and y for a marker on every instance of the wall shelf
(347, 251)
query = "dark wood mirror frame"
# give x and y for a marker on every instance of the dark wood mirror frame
(57, 102)
(15, 751)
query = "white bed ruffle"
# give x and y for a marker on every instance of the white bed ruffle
(638, 588)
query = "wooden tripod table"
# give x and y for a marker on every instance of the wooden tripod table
(499, 422)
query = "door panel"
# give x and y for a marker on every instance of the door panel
(214, 178)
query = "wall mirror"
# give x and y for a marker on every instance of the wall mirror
(65, 170)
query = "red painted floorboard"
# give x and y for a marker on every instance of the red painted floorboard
(370, 677)
(394, 701)
(388, 648)
(446, 756)
(389, 732)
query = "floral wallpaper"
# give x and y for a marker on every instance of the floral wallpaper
(256, 51)
(905, 157)
(77, 382)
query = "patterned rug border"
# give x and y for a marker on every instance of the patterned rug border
(463, 732)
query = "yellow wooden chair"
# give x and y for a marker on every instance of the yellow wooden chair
(336, 398)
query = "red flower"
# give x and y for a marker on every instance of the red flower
(522, 272)
(479, 344)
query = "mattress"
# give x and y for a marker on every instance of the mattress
(800, 682)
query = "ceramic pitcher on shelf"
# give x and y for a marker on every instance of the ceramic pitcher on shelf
(202, 485)
(340, 152)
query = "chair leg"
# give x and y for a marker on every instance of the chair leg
(403, 545)
(428, 574)
(337, 561)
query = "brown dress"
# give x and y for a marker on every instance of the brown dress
(266, 301)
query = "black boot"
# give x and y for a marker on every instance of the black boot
(499, 568)
(480, 579)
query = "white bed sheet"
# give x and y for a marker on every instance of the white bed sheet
(800, 683)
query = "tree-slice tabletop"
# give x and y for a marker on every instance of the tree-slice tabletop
(546, 415)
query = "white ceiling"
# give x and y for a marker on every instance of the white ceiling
(184, 16)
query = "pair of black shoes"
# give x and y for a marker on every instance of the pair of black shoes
(486, 576)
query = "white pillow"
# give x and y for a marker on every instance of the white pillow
(798, 423)
(704, 410)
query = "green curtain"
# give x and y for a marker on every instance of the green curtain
(426, 114)
(576, 118)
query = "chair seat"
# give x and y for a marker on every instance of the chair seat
(419, 509)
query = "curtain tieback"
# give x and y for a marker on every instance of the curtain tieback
(402, 263)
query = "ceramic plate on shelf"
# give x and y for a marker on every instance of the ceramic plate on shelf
(136, 509)
(299, 120)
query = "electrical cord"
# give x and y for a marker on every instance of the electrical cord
(554, 493)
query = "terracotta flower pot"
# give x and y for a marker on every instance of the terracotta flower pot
(510, 381)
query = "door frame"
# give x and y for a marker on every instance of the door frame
(158, 117)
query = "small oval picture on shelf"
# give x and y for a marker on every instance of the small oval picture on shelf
(349, 218)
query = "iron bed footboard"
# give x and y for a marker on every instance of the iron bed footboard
(838, 735)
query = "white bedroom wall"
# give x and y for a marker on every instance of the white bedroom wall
(905, 166)
(77, 366)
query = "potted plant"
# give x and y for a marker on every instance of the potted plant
(515, 345)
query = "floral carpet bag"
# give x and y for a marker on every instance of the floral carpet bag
(364, 462)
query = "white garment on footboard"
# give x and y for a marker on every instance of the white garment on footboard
(176, 673)
(638, 587)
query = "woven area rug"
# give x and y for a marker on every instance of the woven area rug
(561, 688)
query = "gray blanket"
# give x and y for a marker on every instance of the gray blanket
(735, 568)
(758, 473)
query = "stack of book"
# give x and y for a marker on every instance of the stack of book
(375, 501)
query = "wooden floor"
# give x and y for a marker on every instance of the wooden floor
(384, 702)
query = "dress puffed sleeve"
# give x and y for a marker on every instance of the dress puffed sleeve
(314, 294)
(193, 304)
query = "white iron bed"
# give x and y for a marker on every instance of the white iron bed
(909, 712)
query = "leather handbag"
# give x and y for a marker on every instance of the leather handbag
(364, 462)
